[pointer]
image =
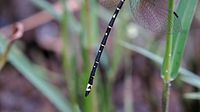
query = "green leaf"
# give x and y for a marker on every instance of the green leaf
(32, 73)
(168, 51)
(186, 11)
(186, 75)
(4, 56)
(43, 4)
(193, 96)
(192, 80)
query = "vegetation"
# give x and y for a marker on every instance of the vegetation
(117, 82)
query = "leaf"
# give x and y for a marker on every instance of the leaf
(32, 73)
(17, 32)
(186, 75)
(186, 11)
(193, 96)
(44, 4)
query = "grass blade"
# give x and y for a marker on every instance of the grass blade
(193, 96)
(186, 11)
(32, 73)
(186, 75)
(43, 4)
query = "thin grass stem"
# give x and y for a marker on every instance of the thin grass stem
(167, 59)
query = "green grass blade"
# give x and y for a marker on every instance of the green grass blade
(195, 96)
(186, 75)
(43, 4)
(186, 11)
(33, 73)
(168, 51)
(192, 80)
(88, 37)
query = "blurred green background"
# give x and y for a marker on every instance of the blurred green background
(48, 68)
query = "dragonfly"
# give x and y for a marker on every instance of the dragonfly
(150, 14)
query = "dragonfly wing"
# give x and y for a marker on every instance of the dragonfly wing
(152, 15)
(163, 13)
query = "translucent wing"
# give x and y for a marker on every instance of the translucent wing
(152, 15)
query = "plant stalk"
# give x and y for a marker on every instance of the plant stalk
(167, 59)
(165, 96)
